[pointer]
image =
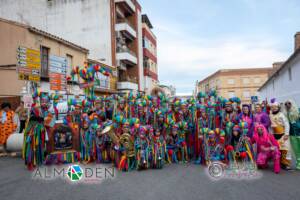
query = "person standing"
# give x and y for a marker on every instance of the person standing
(246, 116)
(261, 117)
(293, 116)
(281, 130)
(7, 124)
(22, 112)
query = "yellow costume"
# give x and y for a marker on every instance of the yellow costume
(281, 128)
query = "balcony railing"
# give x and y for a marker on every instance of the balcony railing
(126, 50)
(148, 72)
(107, 84)
(126, 56)
(129, 5)
(124, 20)
(128, 31)
(128, 79)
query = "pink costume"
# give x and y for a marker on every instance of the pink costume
(264, 152)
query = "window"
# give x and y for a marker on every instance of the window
(103, 81)
(257, 80)
(146, 43)
(231, 94)
(44, 61)
(246, 94)
(290, 74)
(246, 81)
(69, 64)
(231, 81)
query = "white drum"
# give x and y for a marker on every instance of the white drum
(14, 142)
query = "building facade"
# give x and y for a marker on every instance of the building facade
(150, 55)
(284, 84)
(242, 83)
(129, 52)
(13, 35)
(110, 29)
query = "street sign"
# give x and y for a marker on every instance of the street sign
(28, 64)
(254, 99)
(58, 73)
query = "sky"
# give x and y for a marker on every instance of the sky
(198, 37)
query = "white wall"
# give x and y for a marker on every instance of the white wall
(284, 88)
(84, 22)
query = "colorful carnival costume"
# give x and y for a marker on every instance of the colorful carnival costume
(240, 148)
(181, 141)
(261, 117)
(7, 125)
(267, 148)
(247, 117)
(281, 130)
(35, 138)
(128, 158)
(214, 145)
(292, 113)
(158, 150)
(142, 149)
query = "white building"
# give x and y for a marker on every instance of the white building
(110, 29)
(284, 84)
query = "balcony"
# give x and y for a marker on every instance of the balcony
(126, 56)
(126, 28)
(149, 55)
(127, 5)
(148, 72)
(127, 86)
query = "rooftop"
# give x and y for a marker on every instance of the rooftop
(239, 70)
(285, 64)
(146, 20)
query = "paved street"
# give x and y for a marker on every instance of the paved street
(173, 182)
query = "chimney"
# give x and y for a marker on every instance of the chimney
(297, 41)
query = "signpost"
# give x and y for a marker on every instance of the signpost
(28, 64)
(254, 99)
(58, 73)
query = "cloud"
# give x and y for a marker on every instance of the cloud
(184, 58)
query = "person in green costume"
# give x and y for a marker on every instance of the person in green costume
(292, 113)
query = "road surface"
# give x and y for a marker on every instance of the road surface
(176, 181)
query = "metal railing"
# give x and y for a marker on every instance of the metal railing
(124, 20)
(125, 50)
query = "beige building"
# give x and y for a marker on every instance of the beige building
(242, 83)
(13, 35)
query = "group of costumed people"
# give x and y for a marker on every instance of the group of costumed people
(141, 131)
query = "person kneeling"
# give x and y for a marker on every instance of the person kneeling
(267, 148)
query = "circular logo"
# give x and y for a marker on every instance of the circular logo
(74, 172)
(216, 170)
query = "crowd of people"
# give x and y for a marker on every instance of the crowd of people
(141, 131)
